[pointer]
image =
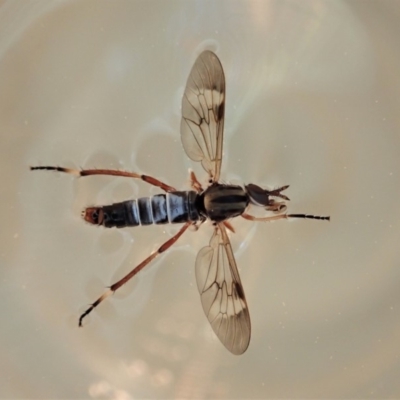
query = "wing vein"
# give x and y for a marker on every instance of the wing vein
(203, 105)
(223, 301)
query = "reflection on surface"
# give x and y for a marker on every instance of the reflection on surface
(312, 101)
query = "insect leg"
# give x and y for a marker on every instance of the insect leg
(308, 216)
(283, 216)
(137, 269)
(229, 226)
(113, 172)
(194, 183)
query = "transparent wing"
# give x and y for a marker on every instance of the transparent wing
(222, 294)
(203, 105)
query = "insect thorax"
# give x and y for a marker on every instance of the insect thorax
(222, 202)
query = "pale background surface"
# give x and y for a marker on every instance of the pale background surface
(312, 101)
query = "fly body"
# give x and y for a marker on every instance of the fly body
(218, 281)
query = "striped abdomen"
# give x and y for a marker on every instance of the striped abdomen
(172, 207)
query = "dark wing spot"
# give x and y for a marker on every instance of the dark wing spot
(239, 290)
(219, 111)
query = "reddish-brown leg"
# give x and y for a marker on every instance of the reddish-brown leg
(194, 183)
(229, 226)
(137, 269)
(88, 172)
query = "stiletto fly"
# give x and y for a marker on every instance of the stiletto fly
(217, 276)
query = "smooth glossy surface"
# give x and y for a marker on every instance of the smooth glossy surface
(312, 101)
